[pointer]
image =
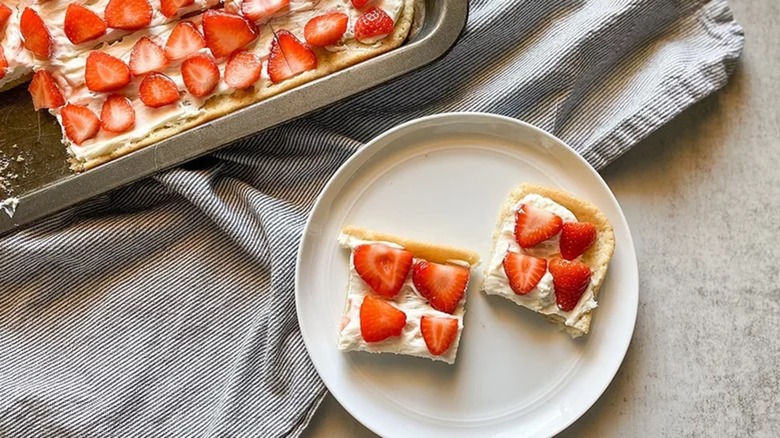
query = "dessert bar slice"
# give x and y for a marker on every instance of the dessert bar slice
(404, 296)
(550, 254)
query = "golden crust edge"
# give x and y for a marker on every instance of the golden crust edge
(430, 251)
(597, 257)
(219, 106)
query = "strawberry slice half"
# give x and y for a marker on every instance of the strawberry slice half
(35, 34)
(128, 14)
(359, 3)
(257, 10)
(81, 24)
(380, 320)
(576, 238)
(534, 225)
(442, 285)
(117, 114)
(438, 333)
(570, 280)
(105, 73)
(146, 57)
(184, 41)
(289, 57)
(171, 8)
(243, 69)
(157, 90)
(225, 33)
(80, 123)
(5, 14)
(373, 24)
(523, 271)
(382, 267)
(326, 30)
(200, 75)
(44, 91)
(3, 63)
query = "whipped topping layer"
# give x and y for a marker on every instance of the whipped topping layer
(542, 298)
(20, 61)
(69, 70)
(409, 300)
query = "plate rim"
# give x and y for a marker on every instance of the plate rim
(370, 147)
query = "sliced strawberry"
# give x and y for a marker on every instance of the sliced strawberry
(570, 280)
(438, 333)
(44, 91)
(380, 320)
(442, 285)
(5, 14)
(117, 114)
(523, 271)
(200, 75)
(3, 63)
(534, 225)
(128, 14)
(158, 90)
(81, 24)
(373, 24)
(257, 10)
(105, 73)
(170, 8)
(359, 3)
(325, 30)
(184, 41)
(146, 57)
(35, 34)
(576, 238)
(382, 267)
(242, 70)
(80, 123)
(289, 57)
(225, 33)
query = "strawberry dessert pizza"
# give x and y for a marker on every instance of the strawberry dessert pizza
(122, 74)
(404, 296)
(550, 255)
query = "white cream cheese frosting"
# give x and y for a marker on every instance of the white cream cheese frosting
(542, 298)
(409, 300)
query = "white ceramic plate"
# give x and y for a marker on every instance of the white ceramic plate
(443, 178)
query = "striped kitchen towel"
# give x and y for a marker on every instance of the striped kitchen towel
(166, 308)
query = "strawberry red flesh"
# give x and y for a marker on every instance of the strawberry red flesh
(242, 70)
(200, 75)
(79, 122)
(326, 30)
(81, 24)
(438, 333)
(380, 320)
(289, 57)
(576, 238)
(359, 3)
(534, 225)
(104, 72)
(442, 285)
(373, 24)
(184, 41)
(117, 114)
(523, 271)
(146, 57)
(382, 267)
(128, 14)
(170, 8)
(257, 10)
(5, 14)
(157, 90)
(570, 280)
(35, 34)
(225, 33)
(44, 91)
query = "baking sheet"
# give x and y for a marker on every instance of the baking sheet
(33, 167)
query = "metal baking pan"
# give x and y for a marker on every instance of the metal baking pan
(33, 166)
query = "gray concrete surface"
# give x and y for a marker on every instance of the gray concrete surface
(702, 197)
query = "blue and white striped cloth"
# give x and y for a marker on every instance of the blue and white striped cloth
(166, 308)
